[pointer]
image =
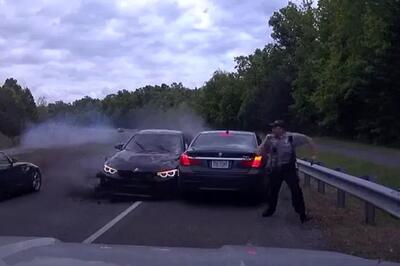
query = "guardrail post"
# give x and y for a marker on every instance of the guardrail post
(398, 193)
(341, 199)
(341, 195)
(321, 187)
(369, 213)
(369, 208)
(307, 180)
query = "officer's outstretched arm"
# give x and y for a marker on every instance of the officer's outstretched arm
(263, 148)
(301, 139)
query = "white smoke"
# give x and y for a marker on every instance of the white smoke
(60, 134)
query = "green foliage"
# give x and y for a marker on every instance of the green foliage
(220, 100)
(121, 108)
(332, 69)
(17, 108)
(356, 92)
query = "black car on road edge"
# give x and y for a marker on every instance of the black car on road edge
(223, 160)
(18, 176)
(146, 165)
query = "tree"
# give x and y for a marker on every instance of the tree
(17, 108)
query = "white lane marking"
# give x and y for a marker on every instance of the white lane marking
(105, 228)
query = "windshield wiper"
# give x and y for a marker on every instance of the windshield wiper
(161, 147)
(139, 145)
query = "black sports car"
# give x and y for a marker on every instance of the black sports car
(223, 160)
(148, 162)
(18, 176)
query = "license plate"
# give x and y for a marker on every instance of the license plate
(220, 164)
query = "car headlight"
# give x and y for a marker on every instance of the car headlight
(109, 169)
(168, 173)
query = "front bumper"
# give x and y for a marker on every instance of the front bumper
(135, 184)
(253, 180)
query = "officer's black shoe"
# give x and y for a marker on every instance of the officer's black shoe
(268, 213)
(304, 218)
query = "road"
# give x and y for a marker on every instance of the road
(362, 152)
(67, 209)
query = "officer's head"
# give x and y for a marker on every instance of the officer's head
(278, 127)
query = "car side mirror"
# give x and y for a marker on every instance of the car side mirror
(119, 146)
(12, 161)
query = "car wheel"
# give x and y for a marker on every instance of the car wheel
(101, 186)
(36, 181)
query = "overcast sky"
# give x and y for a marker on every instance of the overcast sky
(66, 49)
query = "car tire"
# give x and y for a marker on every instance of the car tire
(103, 183)
(100, 189)
(188, 193)
(36, 181)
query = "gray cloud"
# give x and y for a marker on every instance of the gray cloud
(66, 49)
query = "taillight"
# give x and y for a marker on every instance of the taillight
(255, 162)
(185, 160)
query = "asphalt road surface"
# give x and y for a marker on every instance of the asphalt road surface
(69, 210)
(371, 154)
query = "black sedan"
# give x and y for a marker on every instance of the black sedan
(147, 165)
(223, 160)
(18, 176)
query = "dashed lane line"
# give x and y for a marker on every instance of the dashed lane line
(110, 224)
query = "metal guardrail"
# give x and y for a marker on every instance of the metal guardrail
(373, 194)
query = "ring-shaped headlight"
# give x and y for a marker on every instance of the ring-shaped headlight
(109, 169)
(168, 173)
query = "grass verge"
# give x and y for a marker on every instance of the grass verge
(346, 231)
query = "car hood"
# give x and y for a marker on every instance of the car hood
(49, 251)
(144, 162)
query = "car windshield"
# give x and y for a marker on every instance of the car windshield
(160, 143)
(227, 140)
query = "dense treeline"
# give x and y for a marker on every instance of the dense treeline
(122, 109)
(332, 69)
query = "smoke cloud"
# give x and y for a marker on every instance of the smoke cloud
(59, 134)
(70, 131)
(181, 118)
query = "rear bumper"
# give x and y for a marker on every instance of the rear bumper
(134, 186)
(254, 180)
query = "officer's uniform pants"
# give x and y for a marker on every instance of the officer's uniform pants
(288, 174)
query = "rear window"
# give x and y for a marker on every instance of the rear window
(231, 140)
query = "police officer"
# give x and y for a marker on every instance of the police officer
(280, 148)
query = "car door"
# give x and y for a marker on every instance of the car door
(7, 173)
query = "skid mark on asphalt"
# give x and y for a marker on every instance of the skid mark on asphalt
(110, 224)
